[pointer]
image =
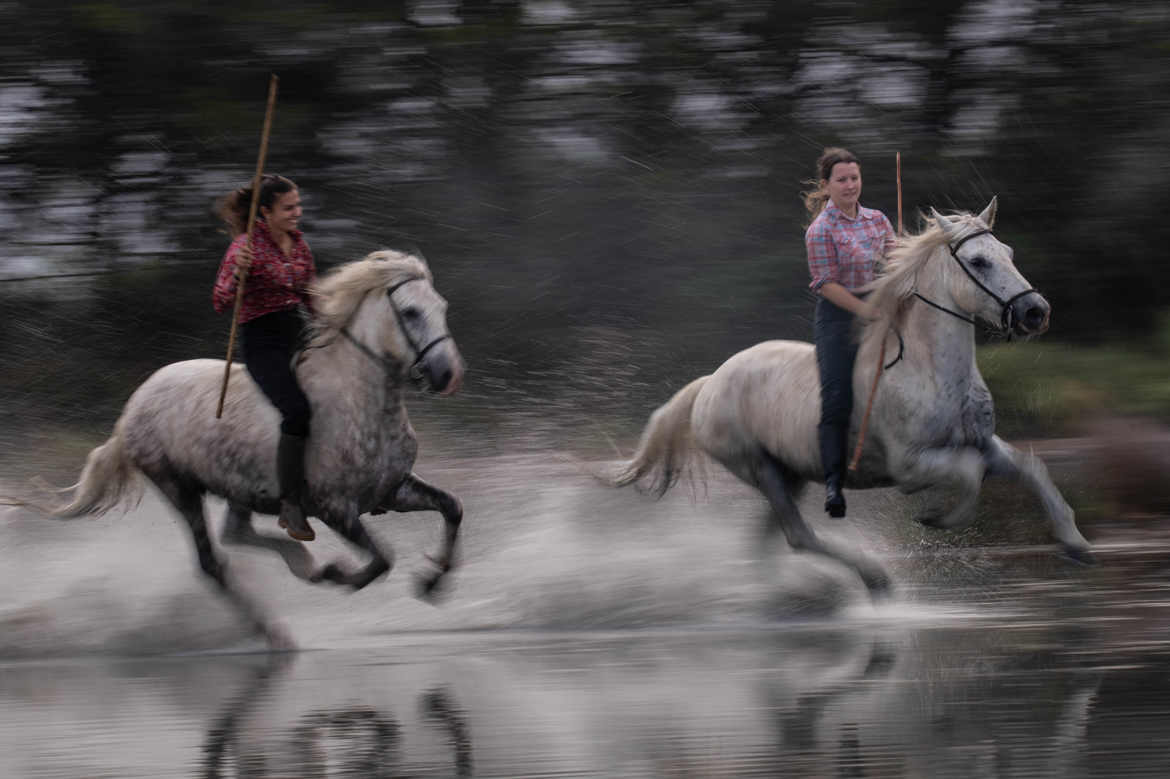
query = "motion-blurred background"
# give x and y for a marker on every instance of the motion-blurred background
(607, 192)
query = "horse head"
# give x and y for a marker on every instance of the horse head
(421, 339)
(989, 286)
(386, 305)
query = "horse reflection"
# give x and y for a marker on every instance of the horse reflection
(910, 713)
(438, 707)
(357, 741)
(222, 743)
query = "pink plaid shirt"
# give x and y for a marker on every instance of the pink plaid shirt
(276, 281)
(846, 250)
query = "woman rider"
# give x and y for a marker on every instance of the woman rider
(279, 268)
(845, 241)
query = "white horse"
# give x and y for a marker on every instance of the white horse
(377, 323)
(933, 422)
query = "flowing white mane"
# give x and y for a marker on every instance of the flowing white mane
(898, 282)
(337, 294)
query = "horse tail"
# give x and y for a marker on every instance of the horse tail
(665, 449)
(108, 480)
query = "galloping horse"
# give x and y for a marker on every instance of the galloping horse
(933, 422)
(377, 323)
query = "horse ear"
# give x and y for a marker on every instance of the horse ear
(988, 215)
(943, 223)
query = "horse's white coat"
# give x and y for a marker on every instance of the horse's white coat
(361, 448)
(933, 420)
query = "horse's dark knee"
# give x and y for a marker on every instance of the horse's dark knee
(208, 560)
(451, 508)
(213, 566)
(356, 531)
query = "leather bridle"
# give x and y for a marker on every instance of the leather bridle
(1007, 316)
(419, 352)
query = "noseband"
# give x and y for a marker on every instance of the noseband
(1007, 317)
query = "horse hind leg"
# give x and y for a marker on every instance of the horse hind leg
(189, 502)
(238, 530)
(778, 485)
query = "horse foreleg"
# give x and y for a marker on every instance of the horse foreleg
(1003, 459)
(238, 530)
(414, 494)
(352, 529)
(961, 467)
(189, 502)
(775, 482)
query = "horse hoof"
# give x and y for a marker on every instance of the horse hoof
(367, 576)
(328, 573)
(1080, 556)
(280, 639)
(429, 587)
(880, 590)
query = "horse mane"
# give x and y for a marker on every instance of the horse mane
(893, 289)
(337, 294)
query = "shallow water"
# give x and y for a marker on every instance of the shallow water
(588, 633)
(993, 699)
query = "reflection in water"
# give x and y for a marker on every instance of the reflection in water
(966, 700)
(221, 747)
(439, 708)
(354, 740)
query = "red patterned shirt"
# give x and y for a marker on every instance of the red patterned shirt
(276, 280)
(846, 250)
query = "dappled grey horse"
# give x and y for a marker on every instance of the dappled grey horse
(932, 424)
(377, 324)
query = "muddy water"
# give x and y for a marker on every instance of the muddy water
(589, 633)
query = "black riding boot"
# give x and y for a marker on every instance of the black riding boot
(833, 439)
(290, 471)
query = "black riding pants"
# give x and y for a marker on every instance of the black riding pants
(836, 348)
(270, 342)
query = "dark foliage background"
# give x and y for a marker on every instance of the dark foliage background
(606, 191)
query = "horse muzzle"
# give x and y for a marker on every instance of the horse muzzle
(442, 370)
(1028, 314)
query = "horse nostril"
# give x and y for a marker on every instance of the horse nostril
(1035, 318)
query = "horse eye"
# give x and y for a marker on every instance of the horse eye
(981, 263)
(411, 313)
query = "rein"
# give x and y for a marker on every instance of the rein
(955, 314)
(1006, 322)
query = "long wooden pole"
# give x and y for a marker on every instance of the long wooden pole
(877, 374)
(242, 274)
(898, 159)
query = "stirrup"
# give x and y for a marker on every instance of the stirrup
(293, 520)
